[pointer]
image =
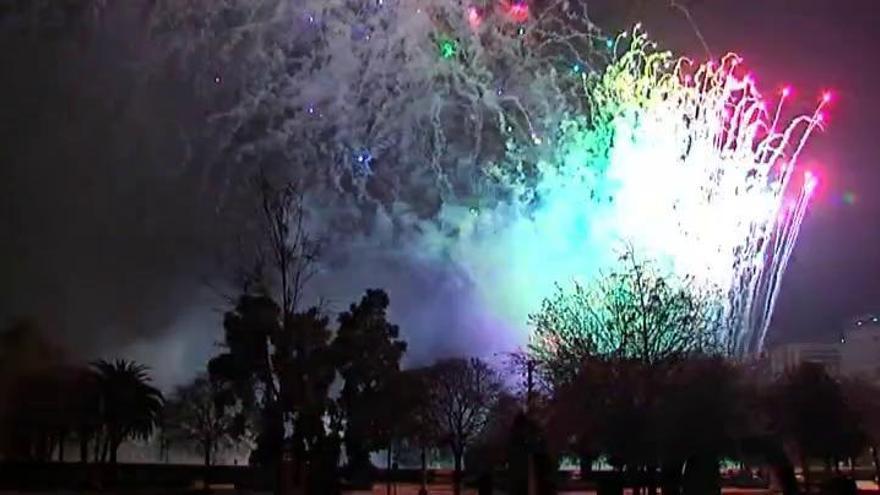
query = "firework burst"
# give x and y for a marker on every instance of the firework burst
(687, 164)
(505, 146)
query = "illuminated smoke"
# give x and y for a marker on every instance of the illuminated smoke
(687, 164)
(513, 147)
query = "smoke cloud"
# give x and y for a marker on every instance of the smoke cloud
(130, 145)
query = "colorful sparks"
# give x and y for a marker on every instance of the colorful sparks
(686, 165)
(513, 162)
(474, 18)
(517, 11)
(363, 162)
(448, 48)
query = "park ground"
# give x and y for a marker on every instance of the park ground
(865, 487)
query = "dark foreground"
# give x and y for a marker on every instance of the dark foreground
(168, 479)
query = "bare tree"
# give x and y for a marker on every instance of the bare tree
(281, 264)
(202, 414)
(292, 250)
(462, 394)
(638, 313)
(277, 357)
(279, 256)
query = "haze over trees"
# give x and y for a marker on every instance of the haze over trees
(631, 368)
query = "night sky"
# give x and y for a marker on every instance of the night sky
(108, 243)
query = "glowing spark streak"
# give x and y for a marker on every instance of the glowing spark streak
(448, 49)
(696, 172)
(474, 18)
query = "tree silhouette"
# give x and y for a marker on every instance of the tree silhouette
(367, 351)
(410, 415)
(285, 367)
(129, 407)
(36, 418)
(305, 373)
(863, 397)
(702, 416)
(530, 463)
(247, 368)
(636, 313)
(85, 410)
(608, 350)
(462, 394)
(676, 420)
(811, 413)
(43, 395)
(203, 413)
(277, 356)
(286, 254)
(495, 446)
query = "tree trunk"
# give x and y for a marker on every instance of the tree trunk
(61, 448)
(280, 481)
(388, 473)
(805, 472)
(701, 476)
(163, 449)
(96, 452)
(532, 481)
(876, 459)
(424, 489)
(208, 448)
(651, 479)
(456, 473)
(670, 478)
(105, 448)
(83, 448)
(585, 464)
(783, 470)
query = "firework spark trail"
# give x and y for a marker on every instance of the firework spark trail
(514, 151)
(699, 175)
(338, 78)
(682, 162)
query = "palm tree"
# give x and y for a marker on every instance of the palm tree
(129, 406)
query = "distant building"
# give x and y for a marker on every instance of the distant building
(860, 348)
(786, 357)
(856, 354)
